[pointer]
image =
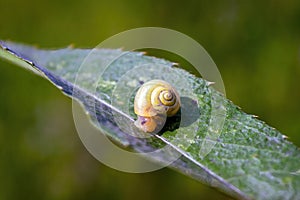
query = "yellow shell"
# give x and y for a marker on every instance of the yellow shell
(154, 101)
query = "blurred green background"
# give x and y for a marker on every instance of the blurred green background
(256, 46)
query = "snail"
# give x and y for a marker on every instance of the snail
(154, 102)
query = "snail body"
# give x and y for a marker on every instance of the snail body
(154, 102)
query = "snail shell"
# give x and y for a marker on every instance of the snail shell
(154, 101)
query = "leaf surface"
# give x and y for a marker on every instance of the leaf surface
(218, 144)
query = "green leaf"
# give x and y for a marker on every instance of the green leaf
(220, 145)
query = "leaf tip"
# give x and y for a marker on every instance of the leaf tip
(210, 83)
(142, 53)
(71, 46)
(285, 137)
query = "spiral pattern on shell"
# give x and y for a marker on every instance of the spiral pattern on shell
(155, 100)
